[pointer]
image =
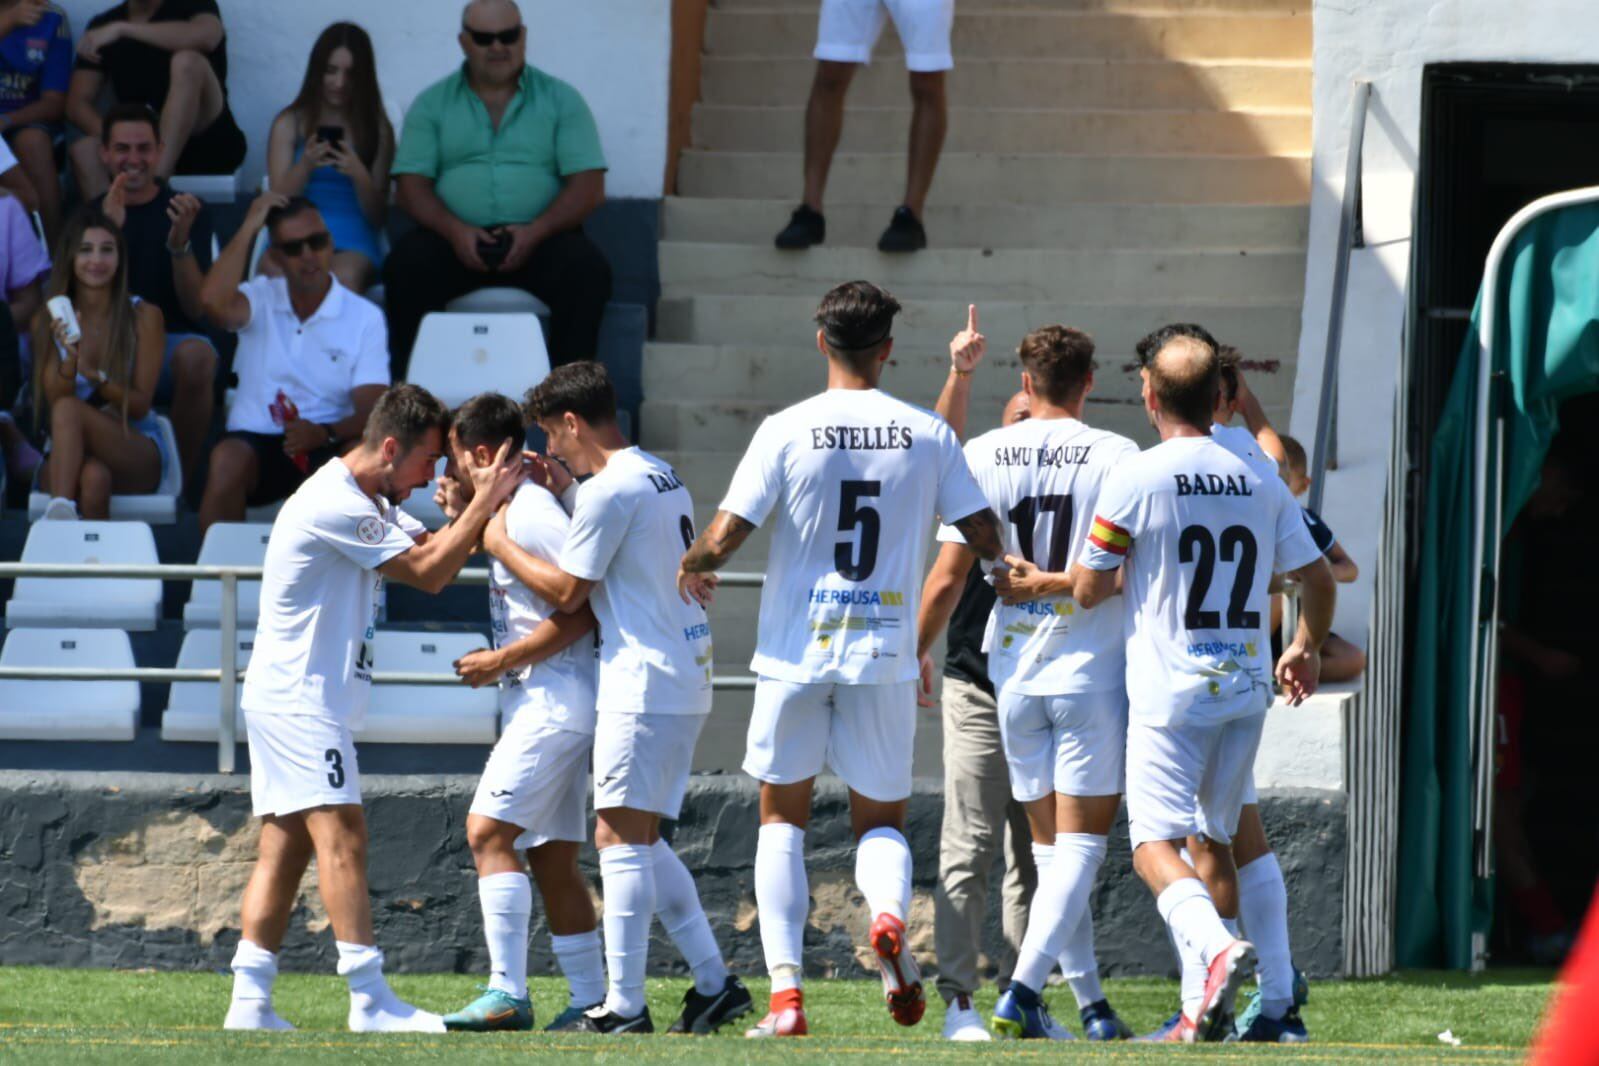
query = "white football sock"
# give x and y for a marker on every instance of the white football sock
(254, 971)
(1058, 905)
(677, 901)
(782, 900)
(1263, 905)
(1187, 909)
(883, 872)
(1191, 963)
(627, 876)
(582, 960)
(374, 1007)
(507, 901)
(1079, 964)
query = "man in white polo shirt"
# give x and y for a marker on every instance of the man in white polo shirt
(305, 692)
(313, 358)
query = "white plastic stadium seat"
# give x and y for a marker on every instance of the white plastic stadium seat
(68, 710)
(228, 544)
(100, 603)
(212, 188)
(428, 714)
(159, 508)
(497, 300)
(420, 506)
(458, 356)
(191, 712)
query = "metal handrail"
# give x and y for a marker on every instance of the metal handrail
(227, 675)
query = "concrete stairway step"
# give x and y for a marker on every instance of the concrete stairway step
(1129, 84)
(1107, 131)
(695, 374)
(1276, 7)
(969, 274)
(1011, 178)
(756, 320)
(1012, 226)
(1039, 34)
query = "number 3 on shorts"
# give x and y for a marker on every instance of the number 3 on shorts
(335, 760)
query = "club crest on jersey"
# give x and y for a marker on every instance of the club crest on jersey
(369, 530)
(1212, 485)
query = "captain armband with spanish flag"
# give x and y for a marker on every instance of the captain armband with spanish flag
(1109, 537)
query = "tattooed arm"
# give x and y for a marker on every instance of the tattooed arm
(981, 530)
(710, 551)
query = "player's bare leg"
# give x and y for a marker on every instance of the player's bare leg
(338, 833)
(883, 874)
(283, 852)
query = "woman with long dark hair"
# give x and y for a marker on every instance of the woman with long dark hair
(334, 145)
(93, 393)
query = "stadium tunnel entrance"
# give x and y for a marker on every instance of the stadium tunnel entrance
(1497, 829)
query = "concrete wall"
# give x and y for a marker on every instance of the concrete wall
(617, 53)
(147, 870)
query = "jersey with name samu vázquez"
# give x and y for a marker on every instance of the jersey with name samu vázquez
(630, 526)
(1199, 533)
(855, 479)
(1042, 477)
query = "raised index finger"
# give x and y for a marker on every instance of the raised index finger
(971, 317)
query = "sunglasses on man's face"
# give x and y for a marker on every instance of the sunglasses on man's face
(316, 242)
(484, 38)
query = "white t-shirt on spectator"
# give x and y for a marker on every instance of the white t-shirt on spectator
(1043, 477)
(559, 690)
(856, 479)
(316, 363)
(319, 595)
(632, 522)
(1200, 532)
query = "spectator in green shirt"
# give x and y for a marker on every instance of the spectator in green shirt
(499, 164)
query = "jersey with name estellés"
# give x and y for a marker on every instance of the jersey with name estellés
(1042, 477)
(1199, 532)
(319, 596)
(559, 690)
(630, 526)
(854, 479)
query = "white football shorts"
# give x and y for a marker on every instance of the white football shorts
(300, 761)
(864, 733)
(642, 761)
(1188, 779)
(1074, 744)
(848, 29)
(537, 778)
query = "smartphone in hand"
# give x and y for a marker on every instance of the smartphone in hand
(334, 135)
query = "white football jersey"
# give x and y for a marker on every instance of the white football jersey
(1200, 532)
(632, 522)
(319, 597)
(559, 690)
(1242, 443)
(1042, 477)
(856, 479)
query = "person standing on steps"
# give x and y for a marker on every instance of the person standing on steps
(844, 38)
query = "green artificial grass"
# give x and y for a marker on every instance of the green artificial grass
(78, 1016)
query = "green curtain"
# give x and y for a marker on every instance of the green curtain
(1548, 346)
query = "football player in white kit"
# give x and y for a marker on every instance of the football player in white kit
(533, 796)
(335, 541)
(853, 479)
(1059, 670)
(1197, 534)
(628, 522)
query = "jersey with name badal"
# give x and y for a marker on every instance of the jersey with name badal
(630, 526)
(319, 596)
(559, 690)
(1199, 532)
(854, 479)
(1042, 477)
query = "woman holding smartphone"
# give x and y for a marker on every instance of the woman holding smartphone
(93, 378)
(334, 145)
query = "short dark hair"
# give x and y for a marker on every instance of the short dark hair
(128, 112)
(491, 419)
(1186, 387)
(297, 205)
(1294, 454)
(582, 388)
(405, 412)
(1155, 341)
(1229, 360)
(1059, 359)
(856, 319)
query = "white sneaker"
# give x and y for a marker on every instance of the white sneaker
(253, 1014)
(962, 1022)
(60, 509)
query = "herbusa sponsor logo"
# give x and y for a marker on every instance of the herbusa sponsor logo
(1219, 649)
(856, 597)
(1042, 608)
(697, 632)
